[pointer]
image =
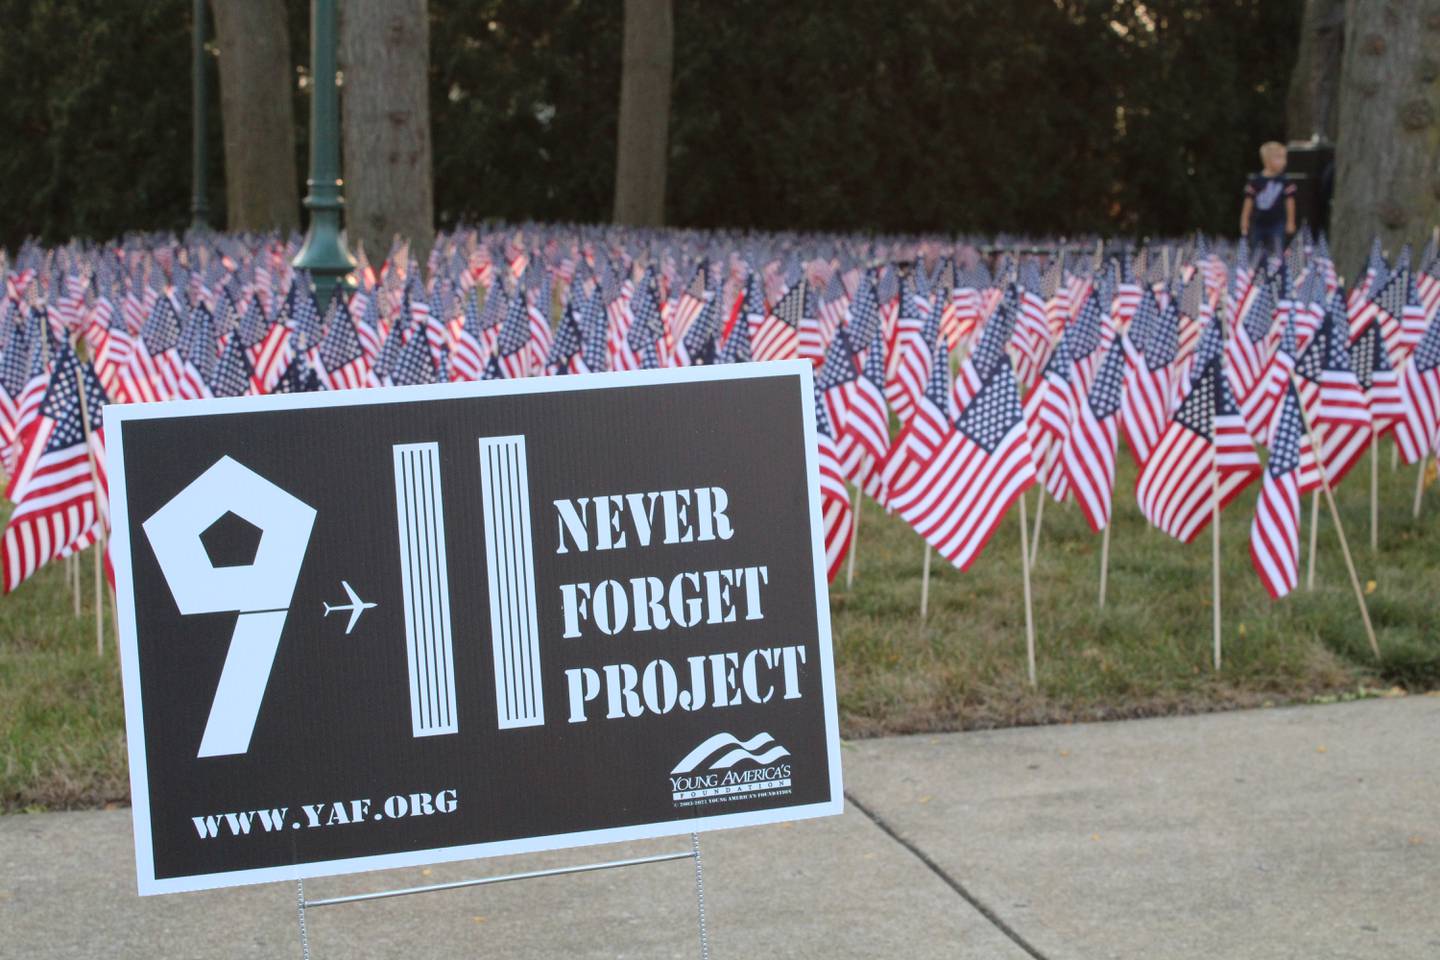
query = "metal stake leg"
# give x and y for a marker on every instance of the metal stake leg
(300, 910)
(700, 896)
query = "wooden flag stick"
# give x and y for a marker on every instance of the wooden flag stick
(99, 514)
(1104, 562)
(1029, 610)
(1419, 485)
(1040, 505)
(72, 574)
(1314, 535)
(1215, 557)
(99, 551)
(854, 543)
(1340, 531)
(1374, 490)
(925, 585)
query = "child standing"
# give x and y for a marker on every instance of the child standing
(1268, 216)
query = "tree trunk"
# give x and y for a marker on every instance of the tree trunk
(385, 105)
(641, 149)
(262, 190)
(1312, 105)
(1388, 150)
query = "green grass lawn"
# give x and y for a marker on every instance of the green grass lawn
(1148, 652)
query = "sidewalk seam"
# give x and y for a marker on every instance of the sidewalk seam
(935, 868)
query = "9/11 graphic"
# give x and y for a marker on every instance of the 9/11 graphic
(362, 630)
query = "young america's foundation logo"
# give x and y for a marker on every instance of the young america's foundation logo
(726, 768)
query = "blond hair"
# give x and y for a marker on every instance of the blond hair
(1273, 149)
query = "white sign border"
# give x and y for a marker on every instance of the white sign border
(116, 415)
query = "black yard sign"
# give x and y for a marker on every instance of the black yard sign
(370, 629)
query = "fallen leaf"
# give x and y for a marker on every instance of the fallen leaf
(1320, 749)
(478, 919)
(1369, 587)
(425, 872)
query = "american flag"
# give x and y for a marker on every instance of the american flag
(469, 354)
(366, 308)
(593, 323)
(1246, 352)
(697, 346)
(1151, 345)
(777, 337)
(1032, 328)
(58, 508)
(113, 356)
(1289, 474)
(511, 359)
(1416, 430)
(834, 305)
(750, 312)
(736, 348)
(342, 356)
(1334, 401)
(15, 361)
(271, 355)
(389, 353)
(617, 291)
(864, 319)
(565, 350)
(835, 381)
(414, 363)
(234, 377)
(914, 347)
(929, 425)
(195, 354)
(27, 407)
(1379, 380)
(1203, 460)
(868, 419)
(1089, 450)
(1050, 411)
(812, 334)
(836, 514)
(690, 303)
(646, 328)
(1397, 307)
(304, 317)
(1259, 406)
(957, 498)
(200, 339)
(537, 297)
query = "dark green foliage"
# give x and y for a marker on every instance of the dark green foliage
(1046, 116)
(95, 118)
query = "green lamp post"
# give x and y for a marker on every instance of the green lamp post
(324, 253)
(199, 208)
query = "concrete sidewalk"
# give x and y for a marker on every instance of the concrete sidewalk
(1305, 832)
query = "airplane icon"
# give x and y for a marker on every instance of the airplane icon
(356, 606)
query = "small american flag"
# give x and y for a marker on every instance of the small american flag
(1290, 473)
(1089, 450)
(234, 377)
(1150, 344)
(957, 499)
(58, 507)
(1204, 458)
(1416, 430)
(837, 515)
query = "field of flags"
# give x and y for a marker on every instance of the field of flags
(950, 376)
